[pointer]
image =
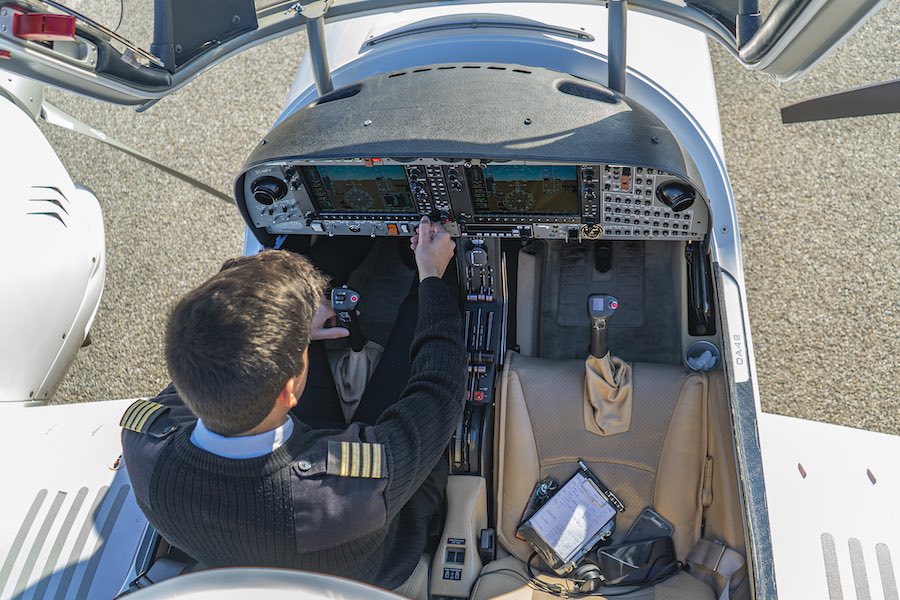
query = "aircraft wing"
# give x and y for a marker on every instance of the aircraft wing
(833, 510)
(70, 523)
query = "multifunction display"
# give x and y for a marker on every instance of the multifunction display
(355, 189)
(521, 189)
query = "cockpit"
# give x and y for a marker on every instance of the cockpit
(587, 294)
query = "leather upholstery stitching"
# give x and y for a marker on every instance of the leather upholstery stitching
(561, 460)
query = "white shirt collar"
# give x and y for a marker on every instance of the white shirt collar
(244, 446)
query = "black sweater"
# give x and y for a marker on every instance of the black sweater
(286, 509)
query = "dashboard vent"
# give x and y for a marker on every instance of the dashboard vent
(585, 91)
(340, 93)
(452, 67)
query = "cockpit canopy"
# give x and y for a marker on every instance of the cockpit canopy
(63, 47)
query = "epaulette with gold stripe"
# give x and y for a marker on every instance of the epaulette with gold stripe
(141, 415)
(356, 459)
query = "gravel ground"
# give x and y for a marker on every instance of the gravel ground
(822, 280)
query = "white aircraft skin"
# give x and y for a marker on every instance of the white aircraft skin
(54, 258)
(829, 489)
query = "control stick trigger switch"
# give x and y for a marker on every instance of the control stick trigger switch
(344, 302)
(600, 309)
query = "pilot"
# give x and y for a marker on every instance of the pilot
(225, 471)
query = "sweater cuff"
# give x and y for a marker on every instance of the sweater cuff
(433, 293)
(430, 281)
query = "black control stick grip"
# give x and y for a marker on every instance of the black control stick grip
(600, 308)
(344, 301)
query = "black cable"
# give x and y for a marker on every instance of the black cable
(532, 583)
(663, 575)
(121, 14)
(557, 590)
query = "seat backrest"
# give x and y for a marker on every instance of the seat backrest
(658, 462)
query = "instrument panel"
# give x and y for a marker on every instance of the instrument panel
(386, 197)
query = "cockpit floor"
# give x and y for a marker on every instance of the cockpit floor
(383, 281)
(642, 277)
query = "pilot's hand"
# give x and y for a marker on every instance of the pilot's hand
(433, 247)
(319, 331)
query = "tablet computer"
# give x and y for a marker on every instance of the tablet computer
(572, 521)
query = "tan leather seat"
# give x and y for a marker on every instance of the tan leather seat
(658, 462)
(416, 586)
(505, 585)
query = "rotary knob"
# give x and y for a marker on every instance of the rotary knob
(477, 257)
(267, 190)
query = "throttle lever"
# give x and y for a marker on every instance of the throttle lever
(344, 301)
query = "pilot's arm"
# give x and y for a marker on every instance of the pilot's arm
(416, 429)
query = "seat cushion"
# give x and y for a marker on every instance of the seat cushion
(505, 579)
(658, 462)
(416, 586)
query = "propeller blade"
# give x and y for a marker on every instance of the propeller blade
(873, 99)
(60, 118)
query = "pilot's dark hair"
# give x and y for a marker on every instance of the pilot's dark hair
(233, 342)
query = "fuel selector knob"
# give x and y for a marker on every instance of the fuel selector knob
(477, 257)
(676, 195)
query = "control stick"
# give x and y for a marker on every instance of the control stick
(600, 308)
(344, 301)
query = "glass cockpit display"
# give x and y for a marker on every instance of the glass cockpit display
(522, 189)
(360, 189)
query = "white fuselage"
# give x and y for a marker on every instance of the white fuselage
(52, 259)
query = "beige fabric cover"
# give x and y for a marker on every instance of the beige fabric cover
(352, 371)
(658, 462)
(507, 586)
(724, 517)
(416, 587)
(607, 395)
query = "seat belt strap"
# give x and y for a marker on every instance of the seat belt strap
(718, 558)
(162, 569)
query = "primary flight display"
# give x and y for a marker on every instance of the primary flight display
(522, 189)
(344, 188)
